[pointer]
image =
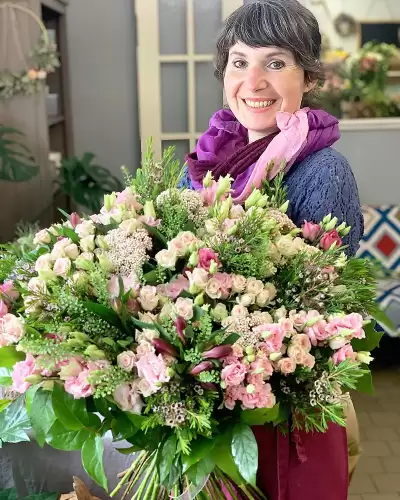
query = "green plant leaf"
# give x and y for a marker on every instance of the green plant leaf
(43, 496)
(259, 416)
(70, 412)
(71, 234)
(14, 423)
(371, 340)
(4, 403)
(17, 163)
(5, 377)
(42, 415)
(149, 440)
(128, 451)
(364, 383)
(156, 233)
(105, 313)
(63, 439)
(144, 326)
(245, 452)
(9, 494)
(9, 356)
(383, 319)
(201, 469)
(200, 448)
(222, 454)
(29, 395)
(92, 460)
(230, 339)
(122, 427)
(165, 458)
(65, 214)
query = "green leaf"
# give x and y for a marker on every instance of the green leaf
(5, 377)
(383, 319)
(65, 214)
(137, 420)
(92, 459)
(144, 326)
(122, 427)
(9, 356)
(71, 234)
(4, 403)
(149, 440)
(29, 395)
(364, 383)
(10, 494)
(245, 452)
(43, 496)
(63, 439)
(17, 163)
(156, 233)
(152, 277)
(165, 458)
(231, 339)
(70, 412)
(222, 454)
(105, 313)
(200, 448)
(201, 469)
(128, 451)
(14, 423)
(371, 340)
(259, 416)
(42, 415)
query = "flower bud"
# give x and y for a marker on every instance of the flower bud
(250, 389)
(204, 366)
(75, 219)
(284, 208)
(164, 347)
(209, 386)
(331, 225)
(149, 210)
(364, 357)
(213, 267)
(224, 186)
(105, 263)
(193, 259)
(180, 325)
(252, 200)
(346, 231)
(101, 242)
(109, 200)
(199, 300)
(33, 379)
(220, 351)
(275, 356)
(79, 336)
(207, 181)
(251, 358)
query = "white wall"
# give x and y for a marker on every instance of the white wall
(361, 10)
(102, 58)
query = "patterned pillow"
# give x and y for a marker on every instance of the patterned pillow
(381, 240)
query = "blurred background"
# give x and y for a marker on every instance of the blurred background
(83, 83)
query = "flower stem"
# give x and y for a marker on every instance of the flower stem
(136, 476)
(127, 474)
(151, 468)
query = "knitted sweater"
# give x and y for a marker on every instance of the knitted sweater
(322, 183)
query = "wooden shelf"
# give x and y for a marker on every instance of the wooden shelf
(55, 120)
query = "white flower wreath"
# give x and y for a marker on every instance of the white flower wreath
(42, 60)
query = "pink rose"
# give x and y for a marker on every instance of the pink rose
(198, 278)
(298, 319)
(345, 352)
(225, 283)
(8, 292)
(273, 336)
(126, 360)
(296, 353)
(178, 247)
(206, 256)
(62, 267)
(188, 238)
(184, 308)
(79, 387)
(311, 231)
(42, 237)
(74, 219)
(21, 370)
(232, 394)
(286, 324)
(257, 397)
(262, 366)
(213, 289)
(329, 238)
(238, 283)
(173, 289)
(239, 311)
(44, 263)
(308, 361)
(301, 340)
(11, 329)
(353, 323)
(286, 365)
(128, 399)
(3, 308)
(234, 374)
(145, 348)
(153, 369)
(166, 258)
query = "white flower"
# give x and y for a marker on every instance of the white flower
(238, 283)
(44, 263)
(42, 237)
(87, 243)
(130, 225)
(263, 298)
(37, 286)
(286, 246)
(62, 266)
(337, 342)
(364, 357)
(126, 360)
(166, 259)
(85, 228)
(71, 251)
(246, 300)
(254, 286)
(184, 308)
(239, 311)
(148, 297)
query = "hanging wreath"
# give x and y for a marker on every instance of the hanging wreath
(345, 25)
(42, 60)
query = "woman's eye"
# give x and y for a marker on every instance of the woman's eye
(239, 64)
(276, 65)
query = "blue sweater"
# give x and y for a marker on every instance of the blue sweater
(323, 183)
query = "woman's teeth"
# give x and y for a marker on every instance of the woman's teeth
(258, 104)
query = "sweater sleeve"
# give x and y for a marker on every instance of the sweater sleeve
(324, 183)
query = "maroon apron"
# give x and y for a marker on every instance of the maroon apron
(303, 466)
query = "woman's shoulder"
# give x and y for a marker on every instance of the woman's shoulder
(325, 162)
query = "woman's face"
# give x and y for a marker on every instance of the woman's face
(259, 82)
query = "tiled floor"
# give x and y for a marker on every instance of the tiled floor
(377, 476)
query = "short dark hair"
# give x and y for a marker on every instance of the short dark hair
(281, 23)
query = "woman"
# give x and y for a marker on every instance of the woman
(268, 60)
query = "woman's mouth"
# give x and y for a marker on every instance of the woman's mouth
(259, 104)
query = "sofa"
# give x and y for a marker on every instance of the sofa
(381, 243)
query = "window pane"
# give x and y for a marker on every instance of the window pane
(207, 22)
(172, 26)
(208, 95)
(174, 97)
(181, 148)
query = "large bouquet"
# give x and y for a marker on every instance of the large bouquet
(178, 320)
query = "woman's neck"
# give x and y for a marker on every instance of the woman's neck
(254, 135)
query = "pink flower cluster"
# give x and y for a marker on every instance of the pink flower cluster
(11, 328)
(312, 232)
(8, 294)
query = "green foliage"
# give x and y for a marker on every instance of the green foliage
(71, 412)
(42, 415)
(260, 416)
(276, 190)
(92, 459)
(14, 423)
(165, 458)
(86, 183)
(12, 494)
(17, 163)
(9, 356)
(245, 452)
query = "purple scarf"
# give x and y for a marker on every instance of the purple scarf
(224, 148)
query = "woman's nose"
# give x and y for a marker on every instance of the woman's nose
(256, 79)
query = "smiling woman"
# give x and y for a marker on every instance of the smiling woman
(268, 59)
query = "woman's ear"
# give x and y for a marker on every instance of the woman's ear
(310, 86)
